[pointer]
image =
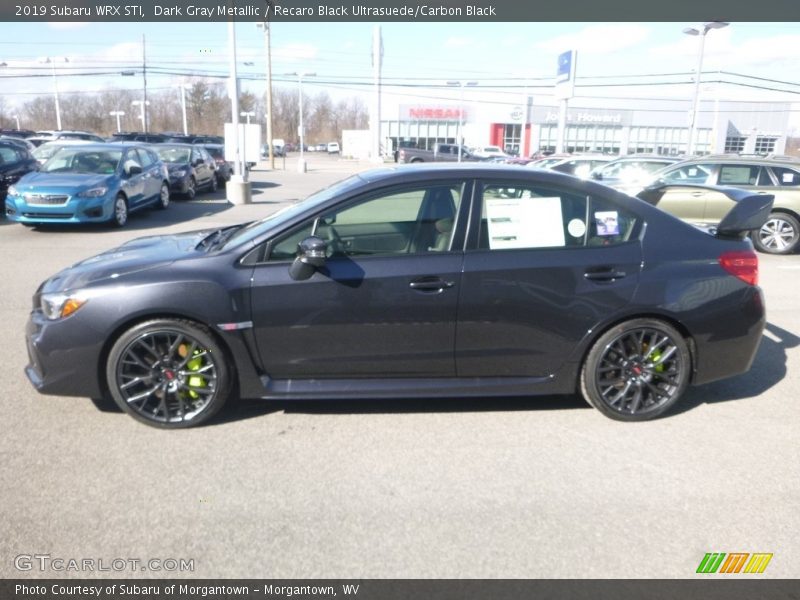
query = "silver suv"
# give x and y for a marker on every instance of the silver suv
(778, 175)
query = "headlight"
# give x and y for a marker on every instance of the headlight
(57, 305)
(93, 193)
(12, 191)
(179, 173)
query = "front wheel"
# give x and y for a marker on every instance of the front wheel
(637, 370)
(779, 235)
(120, 216)
(168, 373)
(191, 189)
(213, 185)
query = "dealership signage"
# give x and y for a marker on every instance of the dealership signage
(432, 113)
(586, 117)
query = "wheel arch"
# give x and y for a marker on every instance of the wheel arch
(668, 319)
(122, 327)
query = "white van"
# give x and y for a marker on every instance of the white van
(333, 148)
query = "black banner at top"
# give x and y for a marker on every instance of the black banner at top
(398, 10)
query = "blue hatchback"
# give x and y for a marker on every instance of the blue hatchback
(90, 183)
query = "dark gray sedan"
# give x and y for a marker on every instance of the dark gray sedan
(411, 282)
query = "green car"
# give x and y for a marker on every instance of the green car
(673, 191)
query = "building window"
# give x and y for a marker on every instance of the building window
(734, 144)
(512, 137)
(765, 144)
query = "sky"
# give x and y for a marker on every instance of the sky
(614, 59)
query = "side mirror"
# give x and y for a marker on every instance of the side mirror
(310, 257)
(596, 175)
(132, 169)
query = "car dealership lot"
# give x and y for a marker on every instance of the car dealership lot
(539, 487)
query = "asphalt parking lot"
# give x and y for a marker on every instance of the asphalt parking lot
(513, 488)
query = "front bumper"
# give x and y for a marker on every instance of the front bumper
(71, 210)
(63, 356)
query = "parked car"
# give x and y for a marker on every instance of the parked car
(580, 165)
(15, 161)
(224, 168)
(190, 168)
(485, 280)
(441, 153)
(630, 173)
(489, 152)
(333, 147)
(278, 151)
(138, 136)
(777, 175)
(64, 134)
(43, 153)
(90, 183)
(19, 141)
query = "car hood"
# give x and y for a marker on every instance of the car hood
(140, 254)
(37, 180)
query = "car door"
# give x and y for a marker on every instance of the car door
(544, 266)
(152, 174)
(685, 202)
(385, 302)
(203, 174)
(132, 184)
(741, 175)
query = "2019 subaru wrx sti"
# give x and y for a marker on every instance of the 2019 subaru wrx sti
(412, 281)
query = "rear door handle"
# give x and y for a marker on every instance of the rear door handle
(430, 284)
(604, 275)
(698, 194)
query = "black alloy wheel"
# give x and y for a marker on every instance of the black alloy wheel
(168, 373)
(636, 370)
(191, 189)
(163, 197)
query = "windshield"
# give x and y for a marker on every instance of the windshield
(45, 151)
(288, 213)
(80, 160)
(173, 154)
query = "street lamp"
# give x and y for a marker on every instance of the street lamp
(184, 87)
(461, 85)
(301, 164)
(52, 62)
(696, 101)
(142, 104)
(268, 49)
(118, 114)
(16, 118)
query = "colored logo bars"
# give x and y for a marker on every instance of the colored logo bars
(736, 562)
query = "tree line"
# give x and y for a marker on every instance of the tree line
(208, 108)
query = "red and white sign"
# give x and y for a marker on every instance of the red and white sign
(432, 113)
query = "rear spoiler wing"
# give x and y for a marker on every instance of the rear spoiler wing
(750, 212)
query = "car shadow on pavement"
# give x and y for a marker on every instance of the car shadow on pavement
(769, 368)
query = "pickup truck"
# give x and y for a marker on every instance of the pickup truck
(440, 153)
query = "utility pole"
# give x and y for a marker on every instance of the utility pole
(144, 85)
(377, 62)
(268, 47)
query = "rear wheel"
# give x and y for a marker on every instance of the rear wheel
(191, 189)
(163, 199)
(779, 235)
(168, 373)
(636, 370)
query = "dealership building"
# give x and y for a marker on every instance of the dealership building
(608, 125)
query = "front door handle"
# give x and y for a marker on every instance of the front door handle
(430, 284)
(609, 275)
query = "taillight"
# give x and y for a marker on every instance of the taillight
(743, 265)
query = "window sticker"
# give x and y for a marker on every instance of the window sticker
(524, 223)
(735, 175)
(607, 222)
(788, 178)
(576, 228)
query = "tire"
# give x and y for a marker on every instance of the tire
(779, 235)
(168, 373)
(213, 185)
(120, 216)
(191, 191)
(163, 196)
(637, 370)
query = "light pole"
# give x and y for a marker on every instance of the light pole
(461, 85)
(268, 48)
(16, 118)
(141, 104)
(183, 87)
(301, 164)
(118, 114)
(52, 62)
(696, 100)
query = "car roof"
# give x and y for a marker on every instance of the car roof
(770, 159)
